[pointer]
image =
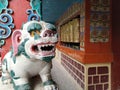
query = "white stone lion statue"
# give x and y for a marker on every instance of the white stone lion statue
(33, 49)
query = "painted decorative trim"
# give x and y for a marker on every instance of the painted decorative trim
(99, 21)
(6, 24)
(36, 6)
(32, 15)
(2, 42)
(6, 21)
(3, 5)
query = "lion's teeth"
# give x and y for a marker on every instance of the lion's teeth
(46, 47)
(39, 47)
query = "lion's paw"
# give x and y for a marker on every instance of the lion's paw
(50, 87)
(6, 81)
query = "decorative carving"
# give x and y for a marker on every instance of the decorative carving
(2, 42)
(3, 5)
(5, 21)
(32, 15)
(6, 24)
(36, 5)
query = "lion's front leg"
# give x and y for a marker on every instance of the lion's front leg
(6, 79)
(21, 84)
(45, 74)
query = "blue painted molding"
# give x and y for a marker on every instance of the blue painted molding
(6, 21)
(6, 24)
(32, 15)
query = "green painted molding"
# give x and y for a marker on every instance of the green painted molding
(3, 5)
(36, 5)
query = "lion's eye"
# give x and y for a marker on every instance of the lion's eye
(32, 33)
(38, 32)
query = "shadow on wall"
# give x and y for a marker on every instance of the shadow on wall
(116, 44)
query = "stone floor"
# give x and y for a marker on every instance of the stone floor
(59, 74)
(36, 85)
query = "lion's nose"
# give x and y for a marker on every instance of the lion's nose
(48, 33)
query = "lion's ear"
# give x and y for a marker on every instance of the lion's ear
(16, 41)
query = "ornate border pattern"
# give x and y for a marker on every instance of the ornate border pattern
(6, 21)
(35, 13)
(32, 15)
(99, 20)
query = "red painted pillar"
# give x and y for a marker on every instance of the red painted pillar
(19, 15)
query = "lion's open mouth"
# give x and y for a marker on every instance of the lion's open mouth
(46, 49)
